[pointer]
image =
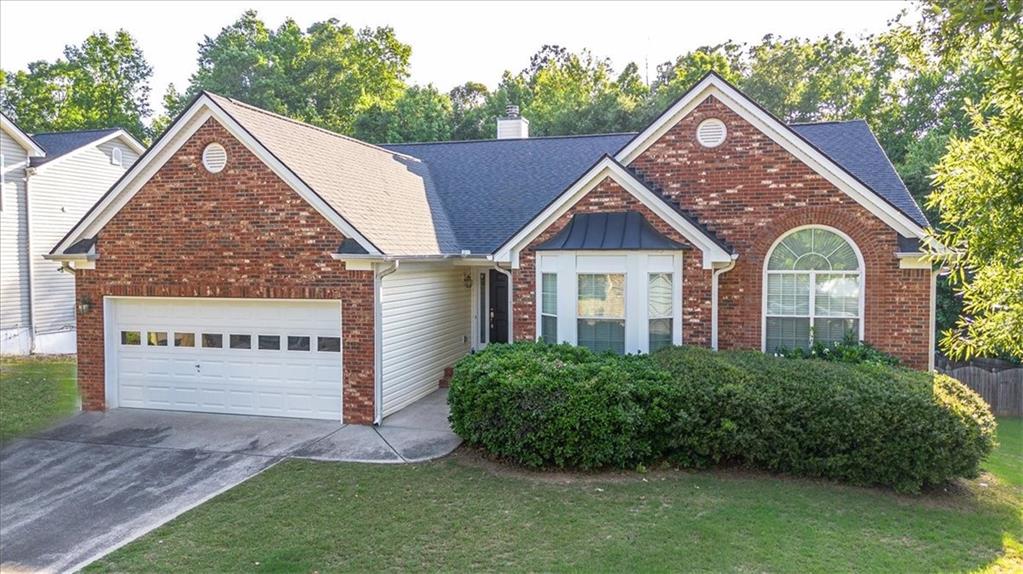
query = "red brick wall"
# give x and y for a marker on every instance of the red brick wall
(750, 191)
(609, 196)
(242, 232)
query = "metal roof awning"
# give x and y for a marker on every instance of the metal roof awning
(619, 231)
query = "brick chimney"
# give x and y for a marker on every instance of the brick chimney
(512, 125)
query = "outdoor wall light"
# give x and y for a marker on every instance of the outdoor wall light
(467, 280)
(84, 305)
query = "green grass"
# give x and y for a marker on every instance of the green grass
(1007, 461)
(35, 392)
(462, 513)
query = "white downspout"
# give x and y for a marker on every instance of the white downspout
(714, 302)
(31, 267)
(932, 320)
(378, 342)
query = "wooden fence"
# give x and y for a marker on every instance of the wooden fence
(1002, 389)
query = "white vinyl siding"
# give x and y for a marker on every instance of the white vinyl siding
(425, 328)
(14, 307)
(61, 194)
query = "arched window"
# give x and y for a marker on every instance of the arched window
(813, 289)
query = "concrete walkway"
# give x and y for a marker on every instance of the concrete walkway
(80, 490)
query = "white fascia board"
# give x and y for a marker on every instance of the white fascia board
(23, 139)
(914, 260)
(607, 167)
(780, 134)
(183, 129)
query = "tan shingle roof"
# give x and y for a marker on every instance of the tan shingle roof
(388, 197)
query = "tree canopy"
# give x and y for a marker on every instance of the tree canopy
(103, 82)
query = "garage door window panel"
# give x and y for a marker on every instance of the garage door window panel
(241, 341)
(269, 343)
(157, 338)
(298, 343)
(212, 341)
(184, 339)
(131, 338)
(328, 344)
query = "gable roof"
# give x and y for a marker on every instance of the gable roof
(17, 134)
(57, 144)
(713, 85)
(389, 197)
(443, 198)
(491, 188)
(852, 145)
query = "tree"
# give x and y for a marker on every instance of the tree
(104, 82)
(979, 181)
(327, 75)
(469, 112)
(420, 114)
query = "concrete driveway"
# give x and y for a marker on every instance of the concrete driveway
(98, 481)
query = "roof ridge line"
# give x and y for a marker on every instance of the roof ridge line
(90, 130)
(310, 126)
(490, 140)
(854, 120)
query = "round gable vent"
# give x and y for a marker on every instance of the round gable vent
(711, 133)
(214, 158)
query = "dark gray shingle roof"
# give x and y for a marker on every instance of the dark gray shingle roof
(57, 144)
(603, 231)
(853, 146)
(491, 188)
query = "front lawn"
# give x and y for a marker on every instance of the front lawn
(35, 392)
(462, 513)
(1007, 461)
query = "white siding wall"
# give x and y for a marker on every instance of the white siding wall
(425, 326)
(61, 193)
(14, 311)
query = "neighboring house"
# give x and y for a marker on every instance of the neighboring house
(249, 263)
(49, 181)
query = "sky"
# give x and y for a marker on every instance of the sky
(452, 42)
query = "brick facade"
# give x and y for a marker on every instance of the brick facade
(241, 233)
(750, 191)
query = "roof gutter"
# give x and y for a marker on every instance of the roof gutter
(437, 257)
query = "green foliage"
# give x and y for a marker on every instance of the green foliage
(978, 185)
(557, 405)
(564, 407)
(848, 350)
(421, 114)
(104, 82)
(326, 75)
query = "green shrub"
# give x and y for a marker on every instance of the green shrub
(863, 424)
(557, 406)
(565, 407)
(848, 350)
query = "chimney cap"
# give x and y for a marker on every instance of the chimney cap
(511, 111)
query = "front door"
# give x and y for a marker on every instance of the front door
(498, 312)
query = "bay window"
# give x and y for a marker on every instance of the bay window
(623, 302)
(813, 290)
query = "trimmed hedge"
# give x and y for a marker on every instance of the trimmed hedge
(557, 406)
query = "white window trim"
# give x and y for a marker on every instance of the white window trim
(540, 300)
(117, 157)
(674, 304)
(637, 267)
(861, 273)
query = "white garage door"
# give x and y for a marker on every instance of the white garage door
(253, 357)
